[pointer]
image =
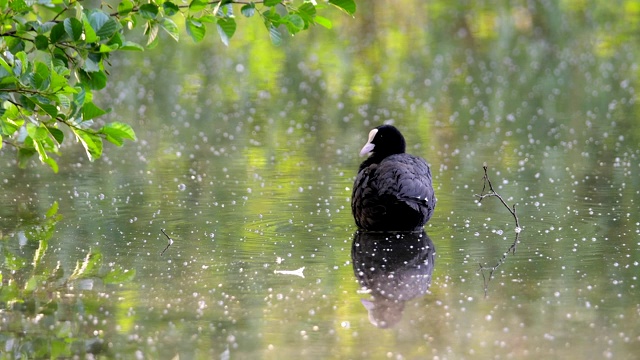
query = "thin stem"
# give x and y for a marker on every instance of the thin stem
(492, 192)
(512, 248)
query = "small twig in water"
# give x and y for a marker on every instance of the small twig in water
(492, 192)
(168, 244)
(512, 248)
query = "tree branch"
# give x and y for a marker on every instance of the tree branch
(219, 2)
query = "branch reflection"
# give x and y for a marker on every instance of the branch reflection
(491, 269)
(393, 267)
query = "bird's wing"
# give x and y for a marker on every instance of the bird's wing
(408, 178)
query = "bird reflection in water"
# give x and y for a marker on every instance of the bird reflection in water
(393, 267)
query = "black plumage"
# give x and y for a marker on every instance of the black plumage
(393, 190)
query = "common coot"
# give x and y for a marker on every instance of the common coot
(393, 190)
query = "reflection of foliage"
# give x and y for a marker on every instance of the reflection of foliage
(54, 55)
(35, 293)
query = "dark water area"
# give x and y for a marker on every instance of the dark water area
(246, 158)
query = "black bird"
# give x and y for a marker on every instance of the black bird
(393, 190)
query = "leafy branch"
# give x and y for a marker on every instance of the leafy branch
(54, 55)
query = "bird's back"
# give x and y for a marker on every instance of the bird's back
(394, 194)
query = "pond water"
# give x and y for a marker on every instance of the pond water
(246, 157)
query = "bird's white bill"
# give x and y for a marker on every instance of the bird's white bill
(368, 147)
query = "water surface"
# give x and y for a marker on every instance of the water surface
(246, 158)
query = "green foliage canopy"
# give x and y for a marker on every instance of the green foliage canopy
(53, 56)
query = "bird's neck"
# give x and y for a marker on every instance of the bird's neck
(371, 160)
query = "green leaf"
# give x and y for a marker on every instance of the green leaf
(42, 153)
(104, 48)
(42, 42)
(93, 62)
(57, 33)
(117, 132)
(73, 28)
(52, 164)
(57, 134)
(225, 10)
(92, 143)
(118, 276)
(103, 25)
(58, 82)
(40, 78)
(115, 41)
(19, 6)
(348, 6)
(207, 19)
(108, 29)
(80, 97)
(248, 10)
(12, 120)
(125, 7)
(152, 31)
(197, 5)
(60, 60)
(293, 22)
(91, 111)
(272, 2)
(226, 29)
(130, 45)
(148, 11)
(307, 11)
(5, 65)
(89, 34)
(63, 99)
(7, 79)
(196, 30)
(274, 34)
(272, 17)
(50, 109)
(21, 63)
(36, 132)
(96, 80)
(170, 8)
(323, 21)
(171, 28)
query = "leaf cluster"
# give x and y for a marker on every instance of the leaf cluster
(54, 55)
